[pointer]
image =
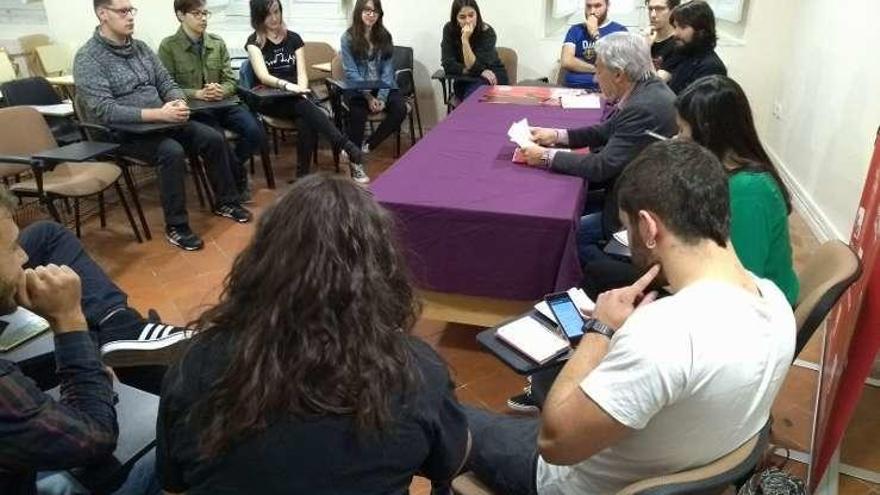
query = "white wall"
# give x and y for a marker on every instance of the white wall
(817, 60)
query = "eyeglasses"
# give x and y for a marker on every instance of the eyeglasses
(124, 12)
(201, 13)
(371, 12)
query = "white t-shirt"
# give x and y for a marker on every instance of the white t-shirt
(694, 375)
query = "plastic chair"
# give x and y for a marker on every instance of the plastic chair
(38, 91)
(318, 52)
(7, 68)
(712, 478)
(24, 133)
(28, 45)
(830, 271)
(510, 60)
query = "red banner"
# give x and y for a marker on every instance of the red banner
(852, 336)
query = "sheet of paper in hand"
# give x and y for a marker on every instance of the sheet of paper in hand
(520, 134)
(19, 327)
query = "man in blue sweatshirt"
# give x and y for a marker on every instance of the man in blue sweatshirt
(121, 81)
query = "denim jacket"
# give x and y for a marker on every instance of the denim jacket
(365, 70)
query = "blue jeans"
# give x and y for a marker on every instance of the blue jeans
(48, 242)
(141, 480)
(241, 121)
(504, 451)
(589, 234)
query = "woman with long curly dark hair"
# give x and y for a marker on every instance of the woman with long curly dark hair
(304, 378)
(367, 52)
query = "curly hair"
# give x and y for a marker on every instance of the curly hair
(316, 311)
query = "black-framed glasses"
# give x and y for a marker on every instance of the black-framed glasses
(124, 12)
(201, 13)
(371, 12)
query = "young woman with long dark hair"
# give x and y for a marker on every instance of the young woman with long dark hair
(367, 55)
(304, 378)
(468, 48)
(714, 112)
(278, 59)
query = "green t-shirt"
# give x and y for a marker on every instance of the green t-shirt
(759, 230)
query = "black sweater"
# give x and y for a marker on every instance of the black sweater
(483, 46)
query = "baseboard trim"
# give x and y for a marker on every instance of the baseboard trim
(803, 203)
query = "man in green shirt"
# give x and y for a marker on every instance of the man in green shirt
(200, 64)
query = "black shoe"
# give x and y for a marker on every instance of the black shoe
(182, 236)
(149, 344)
(234, 212)
(524, 402)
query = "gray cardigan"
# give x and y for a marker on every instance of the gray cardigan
(116, 82)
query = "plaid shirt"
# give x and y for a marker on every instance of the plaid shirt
(38, 433)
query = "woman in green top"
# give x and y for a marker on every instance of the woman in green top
(714, 112)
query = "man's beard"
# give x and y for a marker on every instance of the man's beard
(686, 48)
(643, 259)
(7, 298)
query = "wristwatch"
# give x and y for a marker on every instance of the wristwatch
(595, 326)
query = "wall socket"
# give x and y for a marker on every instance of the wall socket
(777, 110)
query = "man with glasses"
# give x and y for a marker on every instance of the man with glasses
(200, 64)
(661, 33)
(121, 81)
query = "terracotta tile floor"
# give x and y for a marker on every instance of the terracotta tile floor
(179, 284)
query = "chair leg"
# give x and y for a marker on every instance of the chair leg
(412, 131)
(135, 198)
(275, 140)
(53, 211)
(194, 172)
(66, 202)
(418, 114)
(124, 202)
(266, 160)
(76, 219)
(397, 139)
(102, 212)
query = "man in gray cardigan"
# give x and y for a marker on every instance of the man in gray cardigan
(625, 73)
(121, 81)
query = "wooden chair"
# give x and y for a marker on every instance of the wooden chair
(24, 134)
(712, 478)
(38, 91)
(28, 45)
(318, 52)
(55, 59)
(510, 60)
(7, 68)
(830, 271)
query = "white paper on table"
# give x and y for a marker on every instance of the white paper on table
(584, 101)
(577, 295)
(533, 339)
(621, 237)
(520, 134)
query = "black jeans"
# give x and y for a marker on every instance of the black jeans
(310, 122)
(504, 451)
(48, 242)
(359, 110)
(241, 121)
(169, 150)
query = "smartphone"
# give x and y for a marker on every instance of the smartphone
(567, 314)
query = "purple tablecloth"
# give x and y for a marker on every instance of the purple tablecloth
(471, 221)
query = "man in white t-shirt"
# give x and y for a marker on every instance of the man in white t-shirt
(655, 386)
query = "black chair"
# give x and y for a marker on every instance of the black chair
(402, 60)
(38, 91)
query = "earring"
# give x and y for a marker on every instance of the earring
(651, 244)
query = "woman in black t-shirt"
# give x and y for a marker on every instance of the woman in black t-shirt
(304, 377)
(468, 48)
(278, 59)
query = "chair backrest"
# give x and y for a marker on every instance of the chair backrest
(28, 45)
(246, 76)
(23, 132)
(29, 91)
(711, 478)
(510, 60)
(403, 60)
(55, 59)
(830, 271)
(7, 70)
(336, 70)
(317, 52)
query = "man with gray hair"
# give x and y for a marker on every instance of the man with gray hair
(644, 103)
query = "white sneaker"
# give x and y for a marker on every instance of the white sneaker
(358, 174)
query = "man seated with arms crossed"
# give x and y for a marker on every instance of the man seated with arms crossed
(199, 63)
(655, 386)
(578, 57)
(695, 41)
(38, 433)
(625, 73)
(121, 81)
